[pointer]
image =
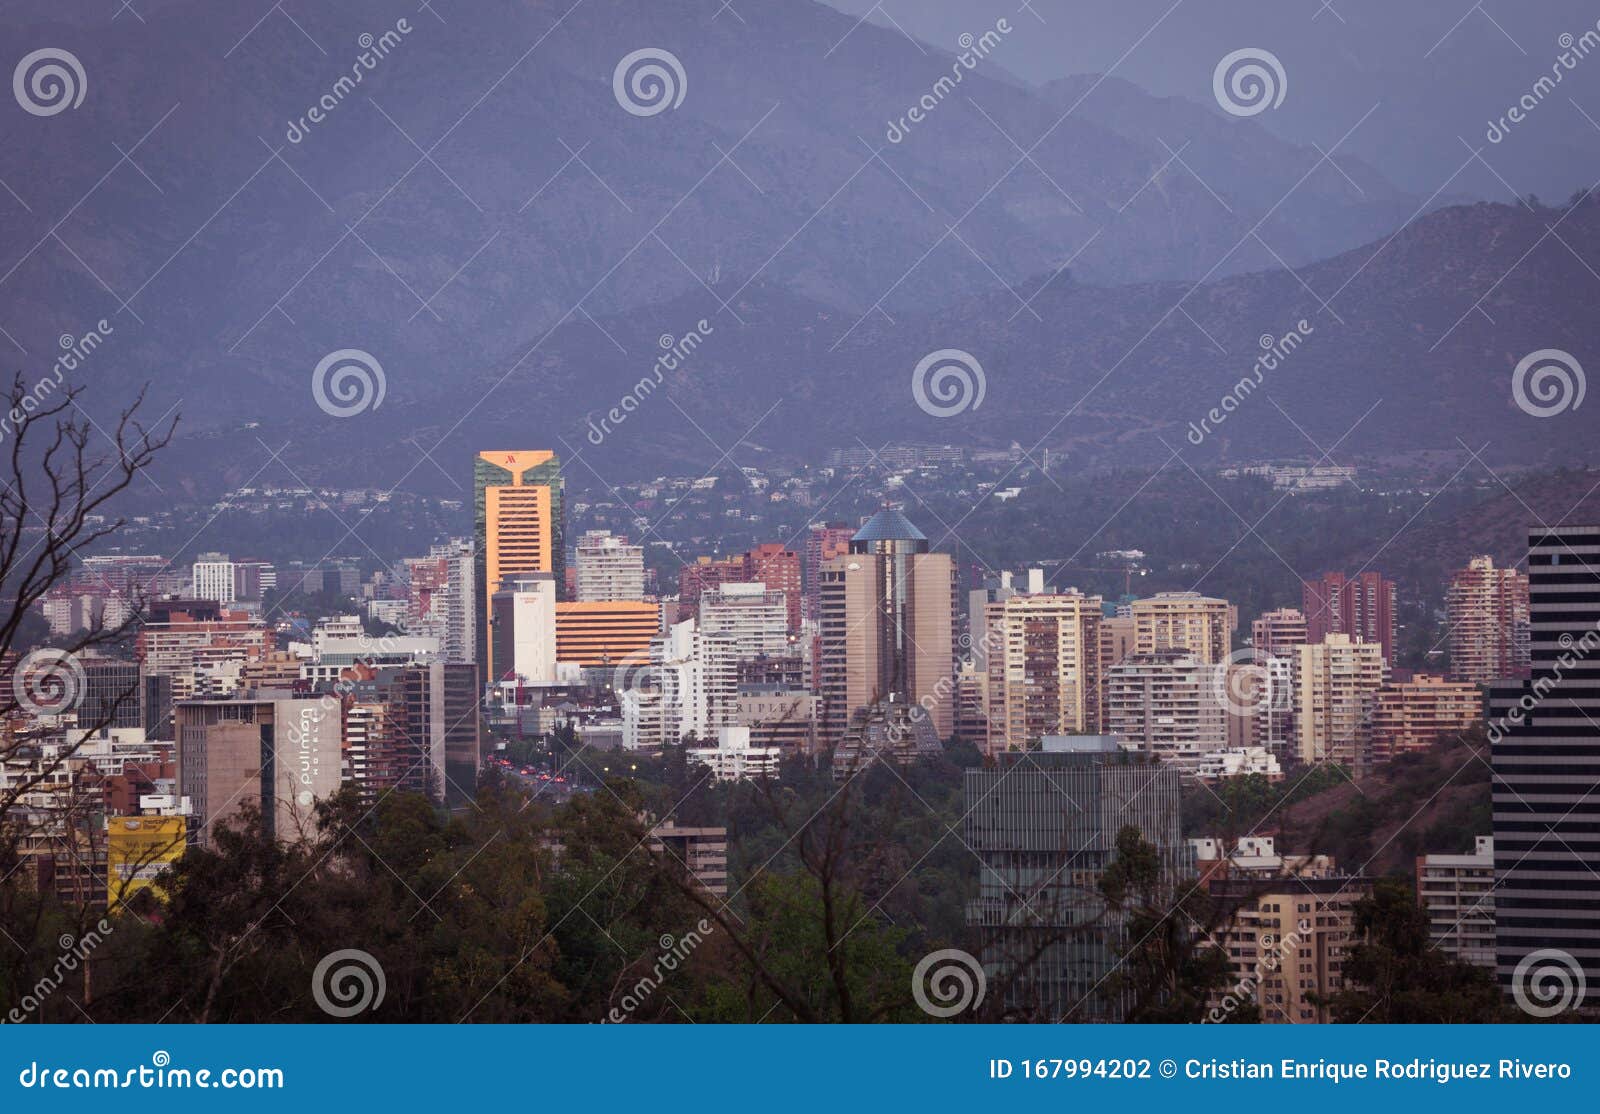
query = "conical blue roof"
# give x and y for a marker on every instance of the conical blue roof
(889, 525)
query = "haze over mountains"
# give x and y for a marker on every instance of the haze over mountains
(1111, 258)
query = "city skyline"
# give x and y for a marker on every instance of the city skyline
(660, 511)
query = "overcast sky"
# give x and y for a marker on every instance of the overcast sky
(1438, 70)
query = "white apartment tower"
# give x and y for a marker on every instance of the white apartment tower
(609, 570)
(690, 687)
(213, 578)
(756, 619)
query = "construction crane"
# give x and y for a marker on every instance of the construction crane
(1127, 572)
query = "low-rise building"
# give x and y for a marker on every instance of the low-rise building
(736, 758)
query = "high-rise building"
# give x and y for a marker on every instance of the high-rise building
(887, 626)
(374, 735)
(754, 616)
(1275, 638)
(278, 755)
(111, 694)
(1117, 637)
(459, 643)
(1361, 607)
(524, 630)
(1165, 705)
(518, 509)
(1044, 668)
(695, 682)
(1487, 612)
(1287, 941)
(608, 568)
(1458, 893)
(823, 544)
(1276, 633)
(1546, 757)
(182, 639)
(443, 735)
(770, 564)
(1412, 715)
(597, 635)
(427, 594)
(214, 578)
(1336, 683)
(779, 569)
(1188, 621)
(704, 575)
(1044, 826)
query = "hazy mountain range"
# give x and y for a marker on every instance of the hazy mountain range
(484, 217)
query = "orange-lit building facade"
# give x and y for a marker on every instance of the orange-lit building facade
(517, 507)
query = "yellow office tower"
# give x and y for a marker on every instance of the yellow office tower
(517, 517)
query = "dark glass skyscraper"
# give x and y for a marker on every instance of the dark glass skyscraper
(1545, 739)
